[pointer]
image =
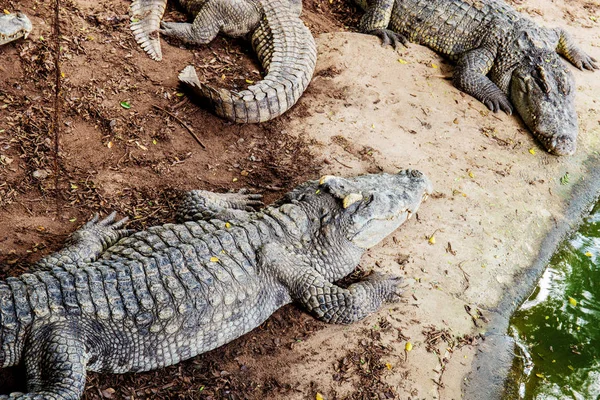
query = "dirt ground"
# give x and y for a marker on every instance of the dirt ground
(125, 146)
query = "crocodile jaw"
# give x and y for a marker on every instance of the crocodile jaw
(14, 26)
(379, 204)
(544, 96)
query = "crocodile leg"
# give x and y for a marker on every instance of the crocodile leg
(87, 243)
(376, 20)
(470, 77)
(233, 19)
(55, 359)
(201, 204)
(568, 49)
(326, 301)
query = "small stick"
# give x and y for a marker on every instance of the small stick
(345, 165)
(182, 123)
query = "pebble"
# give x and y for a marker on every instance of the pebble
(40, 174)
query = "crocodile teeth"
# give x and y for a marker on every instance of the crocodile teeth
(351, 199)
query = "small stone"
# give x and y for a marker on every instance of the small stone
(40, 174)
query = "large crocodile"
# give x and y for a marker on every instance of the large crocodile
(500, 55)
(284, 45)
(116, 301)
(13, 27)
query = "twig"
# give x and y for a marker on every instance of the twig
(465, 275)
(182, 123)
(57, 89)
(345, 165)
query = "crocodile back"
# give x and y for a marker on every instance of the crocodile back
(450, 27)
(181, 290)
(155, 298)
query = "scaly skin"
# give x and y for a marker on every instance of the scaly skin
(284, 45)
(116, 301)
(500, 55)
(13, 27)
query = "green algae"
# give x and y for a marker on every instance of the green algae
(557, 329)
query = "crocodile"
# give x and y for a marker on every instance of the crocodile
(502, 58)
(14, 26)
(285, 48)
(118, 301)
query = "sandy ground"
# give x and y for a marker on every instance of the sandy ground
(368, 109)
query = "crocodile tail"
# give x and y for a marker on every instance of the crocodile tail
(288, 53)
(145, 22)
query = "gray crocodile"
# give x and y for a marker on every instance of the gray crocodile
(500, 55)
(284, 45)
(116, 301)
(14, 26)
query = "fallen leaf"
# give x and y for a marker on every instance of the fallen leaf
(408, 346)
(214, 259)
(572, 302)
(319, 396)
(5, 160)
(432, 239)
(532, 151)
(125, 105)
(401, 61)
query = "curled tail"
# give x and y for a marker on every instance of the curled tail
(288, 53)
(145, 22)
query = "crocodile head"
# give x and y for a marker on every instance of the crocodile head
(14, 26)
(542, 89)
(373, 206)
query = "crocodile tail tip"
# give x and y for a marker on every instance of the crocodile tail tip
(189, 76)
(145, 23)
(150, 45)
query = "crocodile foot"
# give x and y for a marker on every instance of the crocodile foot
(388, 284)
(584, 61)
(497, 101)
(106, 231)
(244, 200)
(390, 37)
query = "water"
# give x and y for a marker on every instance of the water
(558, 328)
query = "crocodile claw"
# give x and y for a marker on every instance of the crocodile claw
(248, 201)
(106, 230)
(390, 37)
(499, 102)
(587, 62)
(389, 284)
